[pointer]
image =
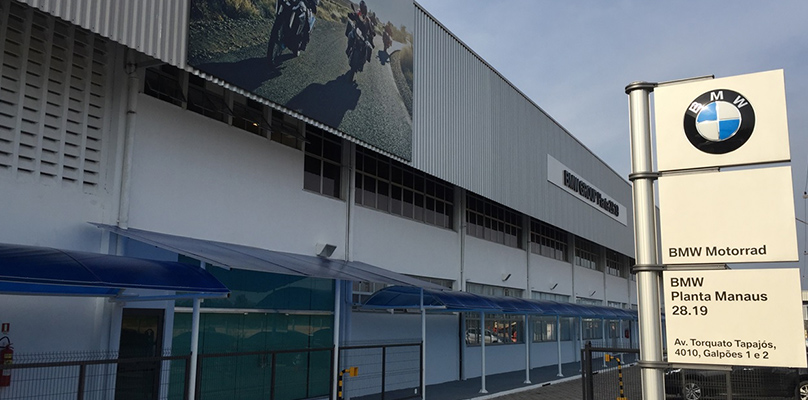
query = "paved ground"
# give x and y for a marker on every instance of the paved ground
(545, 384)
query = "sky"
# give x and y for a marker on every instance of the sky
(574, 59)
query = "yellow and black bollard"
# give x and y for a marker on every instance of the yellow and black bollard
(608, 358)
(352, 371)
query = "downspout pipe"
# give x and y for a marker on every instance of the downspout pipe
(132, 86)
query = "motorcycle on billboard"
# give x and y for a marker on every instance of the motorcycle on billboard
(360, 38)
(294, 20)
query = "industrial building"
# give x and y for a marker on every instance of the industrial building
(111, 143)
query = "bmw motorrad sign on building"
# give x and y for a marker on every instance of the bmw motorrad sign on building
(347, 65)
(710, 216)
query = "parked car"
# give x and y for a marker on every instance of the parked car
(746, 382)
(473, 336)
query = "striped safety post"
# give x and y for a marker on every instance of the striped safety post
(352, 371)
(607, 358)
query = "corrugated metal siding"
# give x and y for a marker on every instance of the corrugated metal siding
(154, 27)
(471, 126)
(475, 129)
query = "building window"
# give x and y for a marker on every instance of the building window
(616, 304)
(488, 220)
(627, 274)
(499, 329)
(165, 83)
(207, 98)
(559, 298)
(490, 290)
(548, 241)
(616, 263)
(586, 254)
(248, 115)
(545, 329)
(286, 130)
(323, 162)
(589, 302)
(591, 329)
(361, 291)
(390, 186)
(196, 94)
(447, 283)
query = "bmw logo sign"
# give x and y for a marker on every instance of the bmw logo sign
(719, 121)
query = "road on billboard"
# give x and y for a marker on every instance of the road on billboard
(318, 83)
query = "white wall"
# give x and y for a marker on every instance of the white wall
(57, 323)
(485, 262)
(404, 245)
(197, 177)
(550, 275)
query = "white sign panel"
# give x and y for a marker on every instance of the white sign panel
(721, 122)
(727, 217)
(571, 182)
(735, 317)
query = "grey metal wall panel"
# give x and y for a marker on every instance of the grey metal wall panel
(475, 129)
(154, 27)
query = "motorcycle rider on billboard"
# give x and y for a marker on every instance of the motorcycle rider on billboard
(312, 12)
(362, 21)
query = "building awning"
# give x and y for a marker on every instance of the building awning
(251, 258)
(398, 297)
(42, 270)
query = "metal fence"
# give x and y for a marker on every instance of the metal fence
(266, 375)
(610, 373)
(622, 379)
(386, 371)
(90, 376)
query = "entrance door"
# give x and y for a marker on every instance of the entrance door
(141, 336)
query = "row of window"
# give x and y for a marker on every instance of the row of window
(381, 183)
(509, 329)
(490, 290)
(390, 186)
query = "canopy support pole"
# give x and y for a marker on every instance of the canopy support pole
(423, 348)
(580, 338)
(194, 349)
(527, 351)
(603, 337)
(481, 335)
(335, 354)
(558, 344)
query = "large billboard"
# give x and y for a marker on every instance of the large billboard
(347, 65)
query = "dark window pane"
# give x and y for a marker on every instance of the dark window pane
(331, 180)
(384, 196)
(384, 170)
(311, 176)
(314, 145)
(332, 151)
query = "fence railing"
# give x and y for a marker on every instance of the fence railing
(607, 373)
(708, 382)
(386, 372)
(96, 378)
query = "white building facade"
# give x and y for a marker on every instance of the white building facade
(102, 121)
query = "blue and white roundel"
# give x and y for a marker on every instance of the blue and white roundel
(718, 121)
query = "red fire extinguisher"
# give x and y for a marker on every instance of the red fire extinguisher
(7, 355)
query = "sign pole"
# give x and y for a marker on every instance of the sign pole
(648, 270)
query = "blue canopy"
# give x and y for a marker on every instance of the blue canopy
(400, 297)
(237, 256)
(42, 270)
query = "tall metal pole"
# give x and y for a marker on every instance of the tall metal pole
(647, 269)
